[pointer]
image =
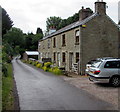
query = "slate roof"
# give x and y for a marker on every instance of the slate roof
(71, 26)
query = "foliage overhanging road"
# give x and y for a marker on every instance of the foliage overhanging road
(40, 90)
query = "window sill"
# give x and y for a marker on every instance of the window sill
(63, 45)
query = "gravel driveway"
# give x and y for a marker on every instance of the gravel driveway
(102, 91)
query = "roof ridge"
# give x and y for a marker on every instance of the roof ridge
(71, 26)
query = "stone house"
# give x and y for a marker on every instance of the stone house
(94, 35)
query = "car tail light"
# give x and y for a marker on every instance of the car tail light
(96, 72)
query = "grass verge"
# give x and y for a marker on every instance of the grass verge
(7, 90)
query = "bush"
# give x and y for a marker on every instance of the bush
(33, 63)
(30, 62)
(4, 70)
(36, 62)
(57, 71)
(47, 64)
(45, 68)
(50, 70)
(39, 65)
(24, 61)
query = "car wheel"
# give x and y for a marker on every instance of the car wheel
(115, 81)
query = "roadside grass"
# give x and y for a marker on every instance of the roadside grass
(7, 90)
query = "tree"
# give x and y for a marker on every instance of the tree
(39, 31)
(53, 22)
(58, 23)
(31, 41)
(14, 40)
(7, 23)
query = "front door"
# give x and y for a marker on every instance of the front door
(70, 60)
(58, 59)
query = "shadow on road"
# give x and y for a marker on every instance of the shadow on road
(106, 85)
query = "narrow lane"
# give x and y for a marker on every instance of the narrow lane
(39, 90)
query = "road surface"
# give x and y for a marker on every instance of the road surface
(39, 90)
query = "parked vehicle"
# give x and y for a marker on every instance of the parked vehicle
(107, 71)
(90, 63)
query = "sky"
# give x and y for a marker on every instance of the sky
(28, 15)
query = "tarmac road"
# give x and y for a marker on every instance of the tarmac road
(39, 90)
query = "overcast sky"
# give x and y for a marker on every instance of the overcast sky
(30, 14)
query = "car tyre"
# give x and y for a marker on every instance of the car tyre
(115, 81)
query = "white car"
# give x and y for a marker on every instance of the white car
(90, 63)
(106, 71)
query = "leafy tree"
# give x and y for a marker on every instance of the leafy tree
(39, 31)
(7, 23)
(12, 39)
(58, 23)
(31, 41)
(53, 22)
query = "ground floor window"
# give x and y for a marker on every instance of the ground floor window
(54, 56)
(77, 57)
(63, 57)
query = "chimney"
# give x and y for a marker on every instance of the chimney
(84, 13)
(52, 30)
(100, 7)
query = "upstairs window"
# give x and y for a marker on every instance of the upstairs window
(77, 57)
(63, 40)
(48, 43)
(77, 37)
(54, 42)
(63, 57)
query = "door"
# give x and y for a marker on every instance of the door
(58, 59)
(70, 60)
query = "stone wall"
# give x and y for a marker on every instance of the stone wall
(99, 39)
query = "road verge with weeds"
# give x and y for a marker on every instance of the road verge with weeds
(9, 90)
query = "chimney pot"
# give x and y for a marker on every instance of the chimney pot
(82, 7)
(84, 13)
(100, 7)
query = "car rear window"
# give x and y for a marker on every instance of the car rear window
(112, 64)
(97, 64)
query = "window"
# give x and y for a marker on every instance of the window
(77, 57)
(77, 37)
(54, 56)
(63, 40)
(48, 43)
(96, 64)
(63, 57)
(112, 64)
(43, 45)
(54, 42)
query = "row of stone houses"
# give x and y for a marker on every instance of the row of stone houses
(94, 35)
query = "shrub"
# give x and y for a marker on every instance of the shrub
(57, 71)
(50, 70)
(36, 62)
(45, 68)
(24, 61)
(4, 69)
(30, 62)
(39, 65)
(33, 63)
(47, 64)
